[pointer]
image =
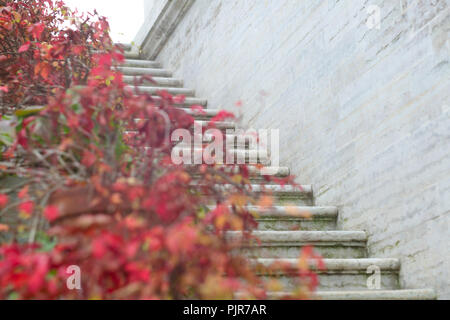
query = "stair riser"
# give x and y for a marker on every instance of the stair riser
(223, 158)
(142, 64)
(163, 82)
(289, 199)
(304, 201)
(188, 103)
(418, 294)
(173, 91)
(331, 251)
(277, 224)
(131, 55)
(206, 140)
(145, 71)
(340, 281)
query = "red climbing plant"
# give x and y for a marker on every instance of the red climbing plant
(44, 46)
(88, 180)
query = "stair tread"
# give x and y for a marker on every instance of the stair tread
(295, 212)
(145, 71)
(276, 188)
(141, 63)
(160, 81)
(268, 237)
(406, 294)
(131, 55)
(187, 101)
(175, 91)
(346, 264)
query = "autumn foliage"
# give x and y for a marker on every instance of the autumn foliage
(85, 184)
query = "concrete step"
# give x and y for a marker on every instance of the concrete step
(188, 102)
(282, 195)
(409, 294)
(223, 125)
(142, 63)
(280, 172)
(125, 46)
(205, 114)
(172, 91)
(339, 274)
(293, 218)
(206, 139)
(290, 218)
(248, 156)
(219, 125)
(229, 138)
(160, 81)
(132, 71)
(288, 244)
(132, 55)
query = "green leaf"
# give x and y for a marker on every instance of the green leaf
(28, 112)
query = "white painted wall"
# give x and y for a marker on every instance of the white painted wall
(364, 113)
(152, 9)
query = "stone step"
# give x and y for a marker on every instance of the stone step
(288, 244)
(338, 274)
(172, 91)
(188, 102)
(287, 195)
(409, 294)
(280, 172)
(131, 55)
(282, 195)
(133, 71)
(248, 156)
(142, 63)
(125, 46)
(206, 139)
(290, 218)
(218, 125)
(205, 114)
(229, 138)
(293, 218)
(160, 81)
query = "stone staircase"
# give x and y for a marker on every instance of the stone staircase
(345, 252)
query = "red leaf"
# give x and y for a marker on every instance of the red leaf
(27, 207)
(77, 50)
(3, 200)
(51, 213)
(198, 109)
(222, 115)
(88, 159)
(24, 47)
(37, 29)
(24, 192)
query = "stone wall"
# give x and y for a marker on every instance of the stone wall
(152, 9)
(364, 112)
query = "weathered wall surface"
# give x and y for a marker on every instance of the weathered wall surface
(364, 113)
(152, 9)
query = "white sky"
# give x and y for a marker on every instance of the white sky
(125, 17)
